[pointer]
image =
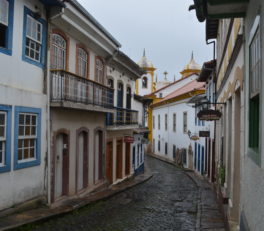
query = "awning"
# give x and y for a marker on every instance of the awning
(219, 9)
(53, 3)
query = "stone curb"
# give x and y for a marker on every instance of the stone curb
(52, 213)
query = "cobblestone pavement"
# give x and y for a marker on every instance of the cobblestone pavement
(169, 201)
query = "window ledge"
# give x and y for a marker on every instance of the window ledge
(6, 51)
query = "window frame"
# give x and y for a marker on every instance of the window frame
(166, 121)
(97, 78)
(37, 160)
(158, 122)
(78, 48)
(183, 122)
(153, 122)
(9, 35)
(166, 148)
(174, 122)
(6, 167)
(254, 151)
(42, 60)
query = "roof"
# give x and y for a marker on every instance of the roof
(189, 87)
(53, 3)
(206, 71)
(95, 22)
(172, 83)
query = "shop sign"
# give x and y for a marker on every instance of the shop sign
(194, 137)
(209, 115)
(129, 139)
(204, 133)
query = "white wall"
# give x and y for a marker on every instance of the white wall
(178, 138)
(145, 91)
(22, 84)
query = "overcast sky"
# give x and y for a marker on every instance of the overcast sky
(165, 28)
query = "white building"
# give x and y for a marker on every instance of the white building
(173, 119)
(23, 101)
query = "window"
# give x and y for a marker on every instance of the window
(254, 88)
(174, 122)
(58, 52)
(5, 125)
(160, 95)
(184, 156)
(166, 148)
(159, 145)
(185, 129)
(153, 122)
(145, 82)
(166, 122)
(99, 71)
(6, 26)
(174, 151)
(159, 122)
(27, 137)
(34, 38)
(111, 83)
(153, 145)
(82, 61)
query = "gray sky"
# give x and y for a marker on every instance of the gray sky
(165, 28)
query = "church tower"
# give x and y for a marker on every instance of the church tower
(191, 68)
(146, 84)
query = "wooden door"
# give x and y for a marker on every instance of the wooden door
(127, 170)
(109, 161)
(82, 161)
(119, 159)
(61, 183)
(65, 166)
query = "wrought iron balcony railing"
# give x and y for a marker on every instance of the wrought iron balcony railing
(122, 117)
(66, 86)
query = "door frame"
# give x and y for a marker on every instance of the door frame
(66, 132)
(99, 129)
(78, 132)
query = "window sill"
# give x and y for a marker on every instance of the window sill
(26, 164)
(254, 155)
(28, 60)
(6, 51)
(4, 168)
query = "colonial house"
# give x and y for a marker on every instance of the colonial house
(173, 121)
(239, 150)
(122, 74)
(79, 49)
(23, 100)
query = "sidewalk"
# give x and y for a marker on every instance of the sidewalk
(44, 213)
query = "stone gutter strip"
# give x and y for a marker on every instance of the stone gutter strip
(44, 213)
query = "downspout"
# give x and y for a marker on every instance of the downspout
(48, 159)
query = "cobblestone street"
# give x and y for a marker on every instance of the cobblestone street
(170, 200)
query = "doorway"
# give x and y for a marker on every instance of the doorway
(61, 163)
(109, 161)
(82, 161)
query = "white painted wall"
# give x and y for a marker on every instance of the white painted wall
(178, 138)
(21, 84)
(145, 91)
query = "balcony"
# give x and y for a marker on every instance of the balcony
(122, 119)
(71, 91)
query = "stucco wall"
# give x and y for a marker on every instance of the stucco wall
(22, 84)
(72, 120)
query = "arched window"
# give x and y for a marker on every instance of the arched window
(58, 52)
(82, 61)
(110, 83)
(145, 82)
(99, 71)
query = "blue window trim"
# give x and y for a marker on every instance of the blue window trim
(36, 162)
(9, 34)
(44, 42)
(8, 110)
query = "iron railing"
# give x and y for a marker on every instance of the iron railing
(66, 86)
(122, 117)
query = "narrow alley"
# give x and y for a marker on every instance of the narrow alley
(170, 200)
